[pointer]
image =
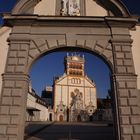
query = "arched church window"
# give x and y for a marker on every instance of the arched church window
(73, 81)
(79, 81)
(70, 7)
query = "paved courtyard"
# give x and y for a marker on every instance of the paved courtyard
(69, 131)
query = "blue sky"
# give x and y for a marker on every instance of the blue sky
(43, 71)
(51, 65)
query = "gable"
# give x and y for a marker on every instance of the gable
(45, 7)
(89, 83)
(87, 8)
(73, 81)
(62, 80)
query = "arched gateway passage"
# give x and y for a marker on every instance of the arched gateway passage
(26, 48)
(33, 36)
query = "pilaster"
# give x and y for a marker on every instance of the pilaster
(13, 106)
(14, 90)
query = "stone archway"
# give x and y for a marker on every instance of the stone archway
(32, 38)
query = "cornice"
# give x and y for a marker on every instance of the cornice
(69, 21)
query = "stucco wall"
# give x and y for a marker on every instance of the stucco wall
(31, 102)
(4, 34)
(93, 9)
(45, 7)
(136, 51)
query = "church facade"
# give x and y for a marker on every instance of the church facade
(74, 93)
(104, 28)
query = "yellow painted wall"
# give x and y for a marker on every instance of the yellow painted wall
(136, 51)
(4, 34)
(45, 7)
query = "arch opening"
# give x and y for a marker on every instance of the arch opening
(73, 49)
(82, 115)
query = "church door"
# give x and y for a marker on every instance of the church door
(79, 118)
(50, 117)
(61, 118)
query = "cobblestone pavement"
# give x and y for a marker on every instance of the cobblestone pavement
(71, 131)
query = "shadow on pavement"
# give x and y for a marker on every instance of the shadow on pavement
(71, 131)
(33, 128)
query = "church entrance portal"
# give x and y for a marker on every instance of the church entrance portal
(50, 117)
(79, 118)
(61, 118)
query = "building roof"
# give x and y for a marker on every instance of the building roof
(77, 58)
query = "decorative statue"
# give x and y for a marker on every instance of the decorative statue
(74, 7)
(70, 8)
(64, 8)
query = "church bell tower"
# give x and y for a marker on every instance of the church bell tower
(74, 65)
